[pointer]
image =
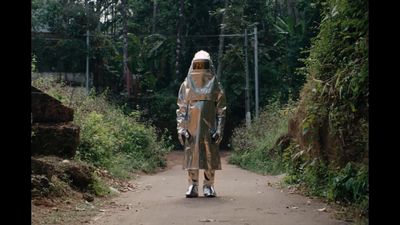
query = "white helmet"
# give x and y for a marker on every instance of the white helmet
(202, 55)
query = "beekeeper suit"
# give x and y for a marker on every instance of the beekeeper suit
(200, 123)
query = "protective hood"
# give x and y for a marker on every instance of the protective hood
(201, 79)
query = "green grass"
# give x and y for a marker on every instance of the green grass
(99, 187)
(254, 148)
(111, 137)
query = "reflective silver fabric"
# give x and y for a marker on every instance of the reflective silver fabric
(193, 177)
(201, 110)
(192, 191)
(209, 191)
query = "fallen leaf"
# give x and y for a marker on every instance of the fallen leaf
(322, 210)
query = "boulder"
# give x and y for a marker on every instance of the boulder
(48, 109)
(55, 139)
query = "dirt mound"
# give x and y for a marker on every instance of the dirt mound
(50, 174)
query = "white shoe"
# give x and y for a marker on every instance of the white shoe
(192, 191)
(209, 191)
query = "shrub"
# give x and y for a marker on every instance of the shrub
(330, 155)
(255, 148)
(99, 187)
(349, 185)
(111, 136)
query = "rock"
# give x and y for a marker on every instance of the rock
(80, 175)
(115, 191)
(55, 139)
(52, 130)
(39, 181)
(207, 220)
(43, 167)
(45, 108)
(79, 209)
(88, 197)
(39, 185)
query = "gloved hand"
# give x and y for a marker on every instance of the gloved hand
(217, 137)
(217, 133)
(182, 136)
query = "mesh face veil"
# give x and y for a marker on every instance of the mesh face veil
(201, 77)
(202, 56)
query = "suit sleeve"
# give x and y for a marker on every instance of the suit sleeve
(221, 108)
(181, 112)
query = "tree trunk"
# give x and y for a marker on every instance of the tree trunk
(292, 10)
(154, 15)
(179, 40)
(125, 46)
(221, 42)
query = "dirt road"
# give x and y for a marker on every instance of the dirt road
(244, 198)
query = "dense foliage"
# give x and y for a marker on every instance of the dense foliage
(284, 29)
(328, 153)
(258, 148)
(334, 107)
(312, 52)
(109, 138)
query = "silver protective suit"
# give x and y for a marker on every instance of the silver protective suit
(201, 116)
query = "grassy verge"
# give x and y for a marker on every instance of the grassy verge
(111, 138)
(255, 148)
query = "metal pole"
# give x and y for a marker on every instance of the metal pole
(256, 68)
(247, 96)
(87, 62)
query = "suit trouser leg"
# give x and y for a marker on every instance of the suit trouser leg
(209, 176)
(193, 177)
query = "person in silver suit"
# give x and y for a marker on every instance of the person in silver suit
(200, 123)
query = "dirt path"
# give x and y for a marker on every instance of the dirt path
(244, 198)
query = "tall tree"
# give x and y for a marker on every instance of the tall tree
(126, 71)
(154, 16)
(221, 41)
(179, 39)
